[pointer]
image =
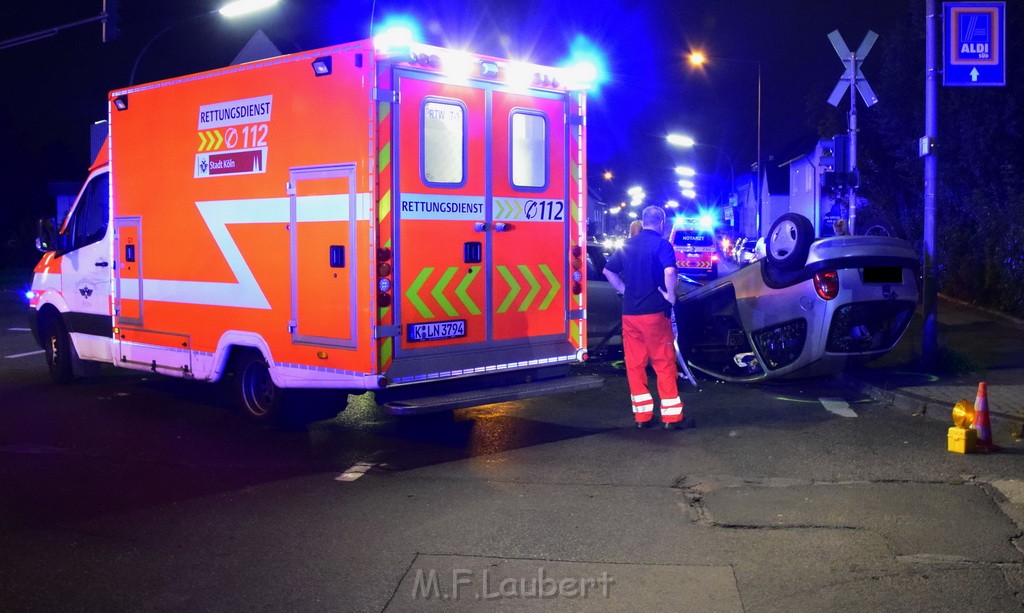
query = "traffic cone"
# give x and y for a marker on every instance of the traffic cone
(981, 423)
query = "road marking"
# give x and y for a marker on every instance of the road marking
(19, 329)
(355, 471)
(838, 406)
(23, 355)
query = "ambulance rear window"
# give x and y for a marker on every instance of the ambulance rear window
(529, 148)
(443, 155)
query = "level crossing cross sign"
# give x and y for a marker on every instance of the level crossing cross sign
(852, 61)
(974, 44)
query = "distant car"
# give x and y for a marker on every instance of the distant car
(807, 308)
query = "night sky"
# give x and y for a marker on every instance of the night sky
(54, 88)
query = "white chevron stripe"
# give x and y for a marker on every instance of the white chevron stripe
(246, 291)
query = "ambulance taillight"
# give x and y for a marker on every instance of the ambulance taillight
(577, 270)
(384, 284)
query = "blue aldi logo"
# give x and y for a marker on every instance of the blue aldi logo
(974, 43)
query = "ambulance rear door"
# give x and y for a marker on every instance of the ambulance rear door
(482, 222)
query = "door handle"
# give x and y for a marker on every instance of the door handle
(480, 226)
(103, 264)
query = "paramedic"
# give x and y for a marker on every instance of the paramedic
(644, 272)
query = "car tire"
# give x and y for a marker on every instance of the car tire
(257, 395)
(57, 345)
(789, 240)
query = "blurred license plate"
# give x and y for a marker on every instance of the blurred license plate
(883, 274)
(437, 330)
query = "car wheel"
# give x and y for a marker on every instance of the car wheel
(258, 396)
(57, 345)
(789, 241)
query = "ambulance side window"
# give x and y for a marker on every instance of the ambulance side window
(528, 155)
(89, 222)
(443, 150)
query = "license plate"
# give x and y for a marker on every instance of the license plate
(883, 274)
(437, 330)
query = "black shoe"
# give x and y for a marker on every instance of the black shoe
(640, 425)
(685, 424)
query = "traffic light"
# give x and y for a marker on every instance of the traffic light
(827, 160)
(111, 20)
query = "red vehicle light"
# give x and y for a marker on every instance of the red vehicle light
(826, 283)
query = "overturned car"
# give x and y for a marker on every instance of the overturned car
(808, 308)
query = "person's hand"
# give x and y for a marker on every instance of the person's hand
(669, 297)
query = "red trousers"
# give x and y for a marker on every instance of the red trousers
(648, 338)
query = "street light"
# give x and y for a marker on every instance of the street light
(229, 10)
(698, 59)
(682, 140)
(685, 171)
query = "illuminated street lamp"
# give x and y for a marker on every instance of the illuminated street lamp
(687, 184)
(685, 171)
(698, 59)
(689, 193)
(229, 10)
(680, 140)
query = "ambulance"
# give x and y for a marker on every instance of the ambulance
(359, 217)
(693, 241)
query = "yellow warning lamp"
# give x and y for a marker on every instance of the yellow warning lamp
(963, 414)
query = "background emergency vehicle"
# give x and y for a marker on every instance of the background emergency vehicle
(356, 217)
(693, 240)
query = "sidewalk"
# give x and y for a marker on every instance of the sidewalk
(975, 345)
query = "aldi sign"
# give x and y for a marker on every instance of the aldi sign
(974, 44)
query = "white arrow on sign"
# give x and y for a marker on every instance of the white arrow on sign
(852, 62)
(974, 74)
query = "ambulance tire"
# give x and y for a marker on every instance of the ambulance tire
(57, 345)
(260, 399)
(789, 241)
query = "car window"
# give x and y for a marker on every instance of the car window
(90, 218)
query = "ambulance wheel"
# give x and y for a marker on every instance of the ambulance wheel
(258, 396)
(789, 241)
(57, 345)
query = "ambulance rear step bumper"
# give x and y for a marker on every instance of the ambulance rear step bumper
(461, 400)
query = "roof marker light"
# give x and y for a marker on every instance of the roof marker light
(488, 69)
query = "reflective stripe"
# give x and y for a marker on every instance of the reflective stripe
(644, 408)
(642, 398)
(669, 411)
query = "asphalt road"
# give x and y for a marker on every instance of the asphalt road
(134, 492)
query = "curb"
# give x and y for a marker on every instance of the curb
(906, 402)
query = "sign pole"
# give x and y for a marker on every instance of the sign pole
(930, 339)
(852, 159)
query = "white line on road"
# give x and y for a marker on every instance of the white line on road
(838, 406)
(24, 355)
(19, 329)
(355, 471)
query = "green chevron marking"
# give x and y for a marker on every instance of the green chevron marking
(460, 291)
(413, 293)
(385, 206)
(384, 157)
(517, 209)
(513, 285)
(500, 205)
(534, 287)
(555, 286)
(438, 291)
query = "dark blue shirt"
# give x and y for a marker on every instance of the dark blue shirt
(641, 263)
